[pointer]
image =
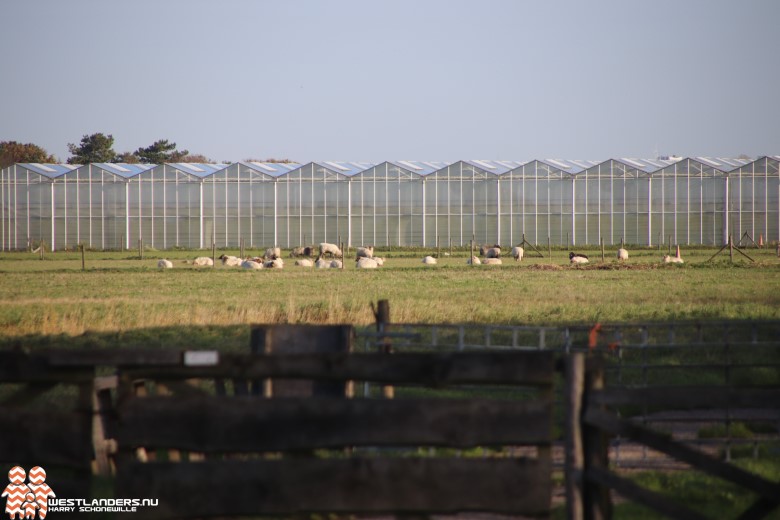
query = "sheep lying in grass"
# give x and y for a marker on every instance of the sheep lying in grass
(493, 252)
(336, 264)
(429, 260)
(622, 254)
(673, 260)
(366, 263)
(272, 253)
(164, 264)
(230, 261)
(365, 252)
(304, 262)
(517, 253)
(302, 251)
(203, 261)
(474, 261)
(492, 261)
(276, 263)
(576, 258)
(251, 264)
(330, 249)
(321, 264)
(379, 261)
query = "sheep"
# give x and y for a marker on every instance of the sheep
(321, 264)
(473, 261)
(251, 264)
(577, 258)
(622, 254)
(366, 263)
(164, 264)
(272, 253)
(365, 252)
(492, 261)
(493, 252)
(296, 252)
(429, 260)
(336, 264)
(202, 261)
(517, 253)
(379, 261)
(276, 263)
(230, 261)
(330, 249)
(673, 260)
(304, 262)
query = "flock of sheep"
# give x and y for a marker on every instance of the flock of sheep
(330, 256)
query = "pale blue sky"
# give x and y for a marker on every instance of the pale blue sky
(404, 79)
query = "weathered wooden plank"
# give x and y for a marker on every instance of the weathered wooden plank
(23, 367)
(218, 424)
(651, 499)
(49, 437)
(112, 357)
(435, 369)
(373, 485)
(684, 397)
(701, 461)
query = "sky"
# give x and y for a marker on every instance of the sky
(357, 80)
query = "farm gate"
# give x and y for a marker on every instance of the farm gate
(403, 419)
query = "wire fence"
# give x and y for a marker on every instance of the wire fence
(725, 353)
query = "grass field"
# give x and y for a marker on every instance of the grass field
(119, 292)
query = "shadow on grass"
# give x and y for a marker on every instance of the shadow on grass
(223, 338)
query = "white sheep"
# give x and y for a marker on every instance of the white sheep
(429, 260)
(276, 263)
(365, 252)
(304, 262)
(272, 253)
(379, 261)
(673, 260)
(230, 261)
(622, 254)
(164, 264)
(473, 261)
(492, 261)
(321, 264)
(251, 264)
(577, 258)
(366, 263)
(203, 261)
(493, 252)
(336, 264)
(330, 249)
(517, 253)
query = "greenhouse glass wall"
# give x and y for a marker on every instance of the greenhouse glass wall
(694, 200)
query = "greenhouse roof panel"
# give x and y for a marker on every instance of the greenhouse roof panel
(272, 169)
(723, 164)
(50, 170)
(345, 168)
(124, 169)
(199, 169)
(418, 167)
(494, 167)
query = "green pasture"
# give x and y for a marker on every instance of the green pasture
(118, 292)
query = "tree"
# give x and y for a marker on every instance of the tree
(95, 148)
(194, 158)
(160, 152)
(127, 157)
(12, 152)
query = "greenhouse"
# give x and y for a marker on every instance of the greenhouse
(697, 200)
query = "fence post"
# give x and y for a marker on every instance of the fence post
(382, 323)
(140, 249)
(549, 248)
(597, 505)
(602, 249)
(574, 456)
(213, 253)
(83, 266)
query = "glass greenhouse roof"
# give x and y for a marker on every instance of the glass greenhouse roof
(50, 170)
(124, 169)
(272, 169)
(345, 168)
(723, 164)
(199, 169)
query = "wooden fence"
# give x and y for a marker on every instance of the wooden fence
(281, 431)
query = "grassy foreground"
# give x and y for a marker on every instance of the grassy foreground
(119, 292)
